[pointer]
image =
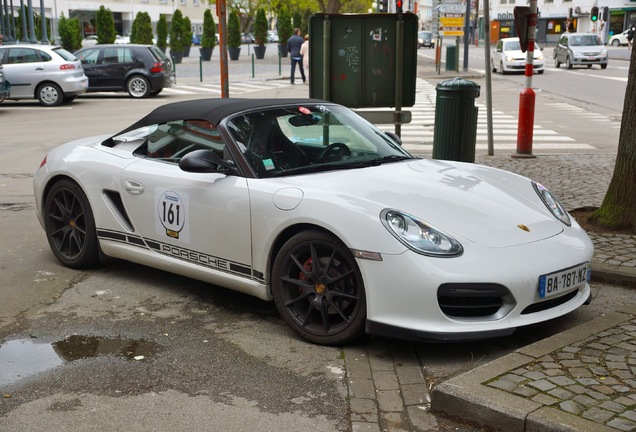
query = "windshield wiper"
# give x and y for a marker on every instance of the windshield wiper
(379, 161)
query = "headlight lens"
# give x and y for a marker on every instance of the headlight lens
(552, 203)
(419, 236)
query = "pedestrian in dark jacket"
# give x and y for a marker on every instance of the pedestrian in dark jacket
(293, 48)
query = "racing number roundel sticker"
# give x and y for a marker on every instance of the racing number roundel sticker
(172, 213)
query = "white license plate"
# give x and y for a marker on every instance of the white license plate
(564, 280)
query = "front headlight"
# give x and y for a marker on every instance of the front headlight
(419, 236)
(552, 203)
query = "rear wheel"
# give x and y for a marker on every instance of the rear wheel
(616, 43)
(138, 86)
(49, 94)
(70, 226)
(318, 289)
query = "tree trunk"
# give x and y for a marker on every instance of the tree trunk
(619, 205)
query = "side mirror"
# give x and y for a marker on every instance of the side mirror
(204, 161)
(394, 137)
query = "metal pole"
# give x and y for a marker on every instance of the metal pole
(252, 64)
(466, 35)
(200, 69)
(399, 55)
(32, 38)
(45, 37)
(527, 96)
(491, 149)
(221, 13)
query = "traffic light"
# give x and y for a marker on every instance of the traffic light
(570, 13)
(398, 6)
(606, 14)
(594, 14)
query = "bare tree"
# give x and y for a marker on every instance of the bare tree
(619, 205)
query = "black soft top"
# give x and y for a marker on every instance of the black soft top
(212, 110)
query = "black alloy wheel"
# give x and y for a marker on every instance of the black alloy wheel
(318, 289)
(70, 226)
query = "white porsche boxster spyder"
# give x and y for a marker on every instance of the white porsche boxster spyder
(305, 203)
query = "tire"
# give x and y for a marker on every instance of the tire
(155, 92)
(557, 63)
(589, 66)
(70, 226)
(492, 66)
(137, 86)
(616, 43)
(541, 72)
(49, 94)
(568, 63)
(604, 66)
(501, 68)
(324, 304)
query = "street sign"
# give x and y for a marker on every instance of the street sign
(446, 21)
(452, 8)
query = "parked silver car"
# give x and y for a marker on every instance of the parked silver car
(585, 49)
(5, 87)
(47, 73)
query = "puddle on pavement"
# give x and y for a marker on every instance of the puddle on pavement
(24, 357)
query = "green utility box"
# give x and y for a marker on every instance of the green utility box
(353, 59)
(455, 132)
(451, 57)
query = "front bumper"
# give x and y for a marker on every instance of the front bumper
(403, 291)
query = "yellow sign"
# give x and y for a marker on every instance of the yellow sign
(452, 33)
(451, 21)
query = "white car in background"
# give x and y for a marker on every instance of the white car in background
(508, 57)
(619, 39)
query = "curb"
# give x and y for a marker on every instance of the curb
(467, 395)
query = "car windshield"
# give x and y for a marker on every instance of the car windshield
(512, 46)
(310, 138)
(585, 40)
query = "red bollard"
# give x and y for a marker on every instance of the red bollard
(526, 124)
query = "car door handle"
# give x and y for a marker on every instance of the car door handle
(134, 188)
(39, 68)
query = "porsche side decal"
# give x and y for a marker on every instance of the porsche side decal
(180, 253)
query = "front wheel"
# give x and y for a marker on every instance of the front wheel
(138, 86)
(70, 226)
(568, 63)
(318, 289)
(616, 43)
(604, 66)
(49, 94)
(557, 63)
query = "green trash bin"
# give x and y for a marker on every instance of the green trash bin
(455, 131)
(451, 57)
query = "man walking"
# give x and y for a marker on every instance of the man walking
(293, 48)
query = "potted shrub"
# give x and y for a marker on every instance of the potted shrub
(208, 39)
(234, 36)
(285, 31)
(187, 36)
(260, 33)
(162, 33)
(177, 38)
(141, 29)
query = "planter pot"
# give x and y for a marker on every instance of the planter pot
(259, 51)
(234, 52)
(206, 53)
(177, 56)
(282, 50)
(186, 51)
